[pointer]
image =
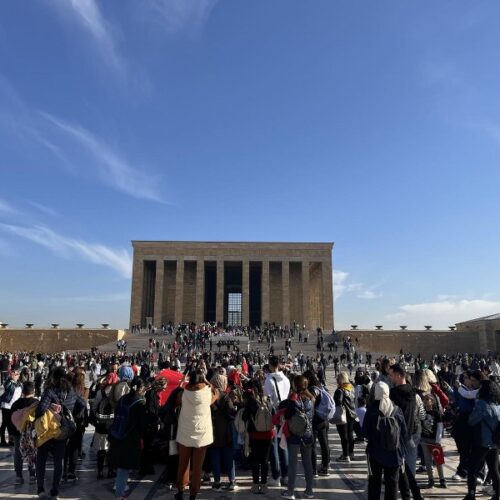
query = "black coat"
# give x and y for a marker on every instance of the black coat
(125, 453)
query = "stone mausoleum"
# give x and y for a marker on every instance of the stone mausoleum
(234, 283)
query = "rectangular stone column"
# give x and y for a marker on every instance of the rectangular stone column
(285, 290)
(265, 292)
(137, 292)
(200, 291)
(158, 307)
(245, 293)
(305, 294)
(179, 291)
(327, 296)
(219, 301)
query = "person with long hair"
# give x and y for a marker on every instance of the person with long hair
(194, 431)
(320, 428)
(58, 393)
(222, 450)
(301, 401)
(259, 442)
(344, 398)
(484, 420)
(75, 442)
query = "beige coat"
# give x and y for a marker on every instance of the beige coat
(195, 420)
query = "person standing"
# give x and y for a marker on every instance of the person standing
(126, 433)
(344, 398)
(404, 396)
(58, 393)
(277, 388)
(12, 392)
(28, 399)
(381, 458)
(301, 402)
(484, 419)
(194, 431)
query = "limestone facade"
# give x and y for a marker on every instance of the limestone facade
(199, 281)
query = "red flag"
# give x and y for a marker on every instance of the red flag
(437, 453)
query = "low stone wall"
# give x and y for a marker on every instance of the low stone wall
(425, 342)
(51, 340)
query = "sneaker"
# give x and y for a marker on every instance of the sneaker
(263, 489)
(421, 470)
(324, 472)
(71, 477)
(458, 477)
(206, 480)
(343, 458)
(273, 482)
(479, 481)
(43, 496)
(315, 474)
(255, 489)
(287, 494)
(488, 489)
(442, 484)
(216, 486)
(307, 494)
(231, 486)
(19, 480)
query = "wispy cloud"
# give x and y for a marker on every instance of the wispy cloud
(112, 168)
(442, 313)
(44, 209)
(88, 15)
(342, 286)
(119, 260)
(110, 297)
(7, 208)
(182, 15)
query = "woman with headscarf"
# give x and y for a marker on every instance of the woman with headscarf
(126, 434)
(222, 450)
(484, 419)
(382, 460)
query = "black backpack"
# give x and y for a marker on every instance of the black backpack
(389, 430)
(104, 415)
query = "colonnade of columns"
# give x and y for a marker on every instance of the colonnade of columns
(312, 301)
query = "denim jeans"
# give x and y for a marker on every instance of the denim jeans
(411, 453)
(226, 455)
(121, 482)
(293, 456)
(279, 460)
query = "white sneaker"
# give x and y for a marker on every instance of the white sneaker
(287, 494)
(273, 482)
(458, 477)
(488, 489)
(479, 481)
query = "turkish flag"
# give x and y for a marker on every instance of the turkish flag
(437, 453)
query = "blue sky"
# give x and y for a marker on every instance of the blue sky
(375, 125)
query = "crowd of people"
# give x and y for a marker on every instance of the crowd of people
(201, 414)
